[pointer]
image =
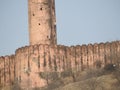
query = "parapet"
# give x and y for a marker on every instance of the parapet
(30, 61)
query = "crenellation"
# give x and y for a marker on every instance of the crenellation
(52, 54)
(90, 55)
(29, 61)
(118, 51)
(107, 53)
(68, 56)
(77, 57)
(44, 56)
(73, 57)
(96, 53)
(12, 69)
(2, 72)
(46, 53)
(6, 69)
(101, 54)
(84, 57)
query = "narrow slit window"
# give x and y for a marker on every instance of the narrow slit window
(33, 14)
(41, 9)
(39, 24)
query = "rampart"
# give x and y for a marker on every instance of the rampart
(7, 70)
(27, 63)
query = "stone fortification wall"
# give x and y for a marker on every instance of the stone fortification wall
(7, 70)
(28, 62)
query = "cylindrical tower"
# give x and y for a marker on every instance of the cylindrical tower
(42, 22)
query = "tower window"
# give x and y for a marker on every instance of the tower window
(53, 7)
(54, 26)
(48, 37)
(33, 14)
(41, 8)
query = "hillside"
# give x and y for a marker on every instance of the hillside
(92, 79)
(106, 78)
(105, 82)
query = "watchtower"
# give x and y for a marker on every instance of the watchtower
(42, 22)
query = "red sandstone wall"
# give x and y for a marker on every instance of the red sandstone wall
(26, 65)
(7, 70)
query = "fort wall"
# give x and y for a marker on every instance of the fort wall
(45, 56)
(7, 70)
(27, 63)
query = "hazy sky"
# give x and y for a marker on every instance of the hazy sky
(78, 22)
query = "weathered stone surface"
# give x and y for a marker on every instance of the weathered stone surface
(45, 56)
(42, 22)
(29, 61)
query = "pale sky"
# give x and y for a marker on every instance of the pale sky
(78, 22)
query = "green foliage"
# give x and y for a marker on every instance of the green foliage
(98, 64)
(49, 75)
(27, 70)
(16, 85)
(109, 67)
(1, 86)
(54, 85)
(116, 74)
(42, 75)
(35, 60)
(69, 73)
(66, 73)
(36, 88)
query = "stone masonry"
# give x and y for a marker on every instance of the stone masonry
(42, 22)
(44, 55)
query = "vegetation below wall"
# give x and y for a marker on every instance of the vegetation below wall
(91, 79)
(48, 60)
(61, 66)
(106, 78)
